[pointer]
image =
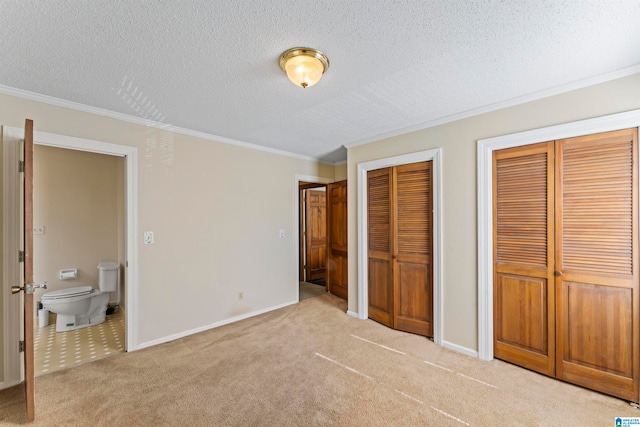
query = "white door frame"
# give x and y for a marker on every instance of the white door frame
(296, 226)
(11, 213)
(435, 156)
(486, 147)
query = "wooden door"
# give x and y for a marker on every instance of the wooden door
(523, 235)
(316, 234)
(412, 224)
(566, 287)
(400, 214)
(380, 248)
(597, 262)
(337, 273)
(27, 275)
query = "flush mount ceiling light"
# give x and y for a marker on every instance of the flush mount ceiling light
(304, 66)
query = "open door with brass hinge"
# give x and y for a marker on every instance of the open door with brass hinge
(26, 259)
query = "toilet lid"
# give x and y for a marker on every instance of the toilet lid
(68, 292)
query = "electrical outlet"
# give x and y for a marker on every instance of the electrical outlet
(240, 296)
(281, 234)
(38, 229)
(148, 237)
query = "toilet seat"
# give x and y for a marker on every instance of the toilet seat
(67, 293)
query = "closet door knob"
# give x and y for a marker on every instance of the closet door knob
(558, 273)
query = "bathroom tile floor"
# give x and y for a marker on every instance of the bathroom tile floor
(60, 350)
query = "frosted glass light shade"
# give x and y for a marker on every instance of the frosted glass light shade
(304, 66)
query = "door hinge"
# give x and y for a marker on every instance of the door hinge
(21, 346)
(21, 256)
(20, 166)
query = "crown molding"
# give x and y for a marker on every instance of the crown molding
(635, 69)
(46, 99)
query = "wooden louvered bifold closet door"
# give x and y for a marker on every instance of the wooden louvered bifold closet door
(523, 293)
(566, 300)
(413, 213)
(400, 218)
(596, 255)
(380, 248)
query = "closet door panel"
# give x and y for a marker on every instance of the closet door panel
(597, 261)
(380, 238)
(413, 225)
(523, 233)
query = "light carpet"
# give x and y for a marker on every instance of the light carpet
(308, 364)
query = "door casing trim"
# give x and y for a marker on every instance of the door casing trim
(130, 155)
(486, 147)
(13, 369)
(435, 156)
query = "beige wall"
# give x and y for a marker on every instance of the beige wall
(459, 144)
(1, 266)
(341, 172)
(76, 198)
(215, 234)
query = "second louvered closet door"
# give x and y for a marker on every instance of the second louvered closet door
(566, 300)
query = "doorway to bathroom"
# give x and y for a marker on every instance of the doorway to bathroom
(14, 370)
(78, 222)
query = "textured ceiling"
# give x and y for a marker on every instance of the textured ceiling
(212, 65)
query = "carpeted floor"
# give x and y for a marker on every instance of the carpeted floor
(308, 364)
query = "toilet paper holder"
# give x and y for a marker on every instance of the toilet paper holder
(68, 274)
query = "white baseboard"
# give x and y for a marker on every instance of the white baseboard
(460, 349)
(211, 326)
(352, 313)
(5, 384)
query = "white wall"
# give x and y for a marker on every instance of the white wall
(459, 144)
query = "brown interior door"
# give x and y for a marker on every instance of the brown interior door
(316, 234)
(337, 273)
(380, 248)
(400, 213)
(597, 257)
(523, 235)
(29, 376)
(572, 205)
(413, 278)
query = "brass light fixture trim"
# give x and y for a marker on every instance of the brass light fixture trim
(312, 55)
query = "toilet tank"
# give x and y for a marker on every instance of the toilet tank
(108, 276)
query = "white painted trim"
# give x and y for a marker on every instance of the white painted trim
(485, 205)
(213, 325)
(130, 155)
(11, 304)
(296, 226)
(500, 105)
(435, 156)
(352, 314)
(460, 349)
(7, 90)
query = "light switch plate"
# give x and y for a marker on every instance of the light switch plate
(148, 237)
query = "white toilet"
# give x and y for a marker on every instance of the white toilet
(83, 306)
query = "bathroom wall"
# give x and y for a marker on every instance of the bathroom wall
(78, 200)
